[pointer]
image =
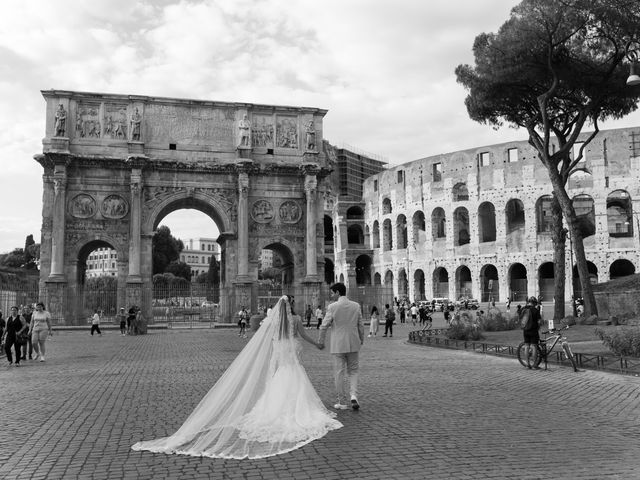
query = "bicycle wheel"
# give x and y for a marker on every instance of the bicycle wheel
(569, 354)
(522, 355)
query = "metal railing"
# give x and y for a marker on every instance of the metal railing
(608, 363)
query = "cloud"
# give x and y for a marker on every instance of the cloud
(383, 69)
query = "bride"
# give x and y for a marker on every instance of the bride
(263, 405)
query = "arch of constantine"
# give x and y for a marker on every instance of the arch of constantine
(116, 165)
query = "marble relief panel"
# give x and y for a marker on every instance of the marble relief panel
(287, 132)
(88, 121)
(262, 131)
(115, 121)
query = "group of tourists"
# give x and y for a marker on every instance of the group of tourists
(24, 333)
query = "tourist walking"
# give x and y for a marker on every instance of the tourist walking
(345, 319)
(27, 349)
(242, 322)
(40, 329)
(16, 326)
(307, 315)
(95, 323)
(319, 316)
(530, 323)
(131, 318)
(122, 316)
(389, 318)
(374, 322)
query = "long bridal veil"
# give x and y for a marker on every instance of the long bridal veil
(263, 405)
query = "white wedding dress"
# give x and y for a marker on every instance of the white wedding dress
(263, 405)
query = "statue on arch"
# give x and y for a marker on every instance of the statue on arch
(245, 132)
(136, 120)
(61, 121)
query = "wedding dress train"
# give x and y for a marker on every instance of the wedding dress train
(263, 405)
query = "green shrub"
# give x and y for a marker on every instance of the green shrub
(464, 327)
(623, 341)
(496, 321)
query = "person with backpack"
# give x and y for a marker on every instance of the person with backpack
(389, 318)
(530, 323)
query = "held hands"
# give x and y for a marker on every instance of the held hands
(320, 345)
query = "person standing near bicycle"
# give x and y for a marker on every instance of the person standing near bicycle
(530, 320)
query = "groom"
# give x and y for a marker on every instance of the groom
(345, 318)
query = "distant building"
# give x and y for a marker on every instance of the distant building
(266, 259)
(353, 168)
(102, 262)
(197, 254)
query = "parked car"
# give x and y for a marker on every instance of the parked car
(468, 303)
(440, 304)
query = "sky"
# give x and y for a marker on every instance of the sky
(384, 70)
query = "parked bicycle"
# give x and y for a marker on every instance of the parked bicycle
(546, 346)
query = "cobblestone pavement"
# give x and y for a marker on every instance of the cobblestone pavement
(426, 413)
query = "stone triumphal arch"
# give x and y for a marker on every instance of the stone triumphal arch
(116, 165)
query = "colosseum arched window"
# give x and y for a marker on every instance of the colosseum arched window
(388, 277)
(489, 286)
(486, 222)
(377, 279)
(376, 234)
(355, 213)
(419, 292)
(463, 282)
(546, 280)
(585, 214)
(515, 225)
(387, 240)
(329, 275)
(518, 282)
(363, 270)
(593, 277)
(401, 231)
(386, 206)
(328, 230)
(619, 214)
(460, 192)
(440, 283)
(438, 225)
(544, 221)
(419, 228)
(461, 226)
(581, 179)
(355, 236)
(621, 268)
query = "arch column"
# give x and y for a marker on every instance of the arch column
(58, 226)
(310, 189)
(243, 226)
(134, 227)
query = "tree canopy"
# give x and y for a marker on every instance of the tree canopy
(166, 249)
(553, 67)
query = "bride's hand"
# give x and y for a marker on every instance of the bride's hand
(320, 345)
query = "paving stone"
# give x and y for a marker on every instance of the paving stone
(426, 413)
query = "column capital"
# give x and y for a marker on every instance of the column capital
(310, 169)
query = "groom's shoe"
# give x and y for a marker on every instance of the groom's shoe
(354, 403)
(340, 406)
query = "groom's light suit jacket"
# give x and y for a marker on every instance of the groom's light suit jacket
(347, 330)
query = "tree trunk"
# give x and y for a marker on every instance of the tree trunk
(590, 307)
(558, 235)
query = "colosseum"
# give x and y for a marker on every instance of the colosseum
(476, 223)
